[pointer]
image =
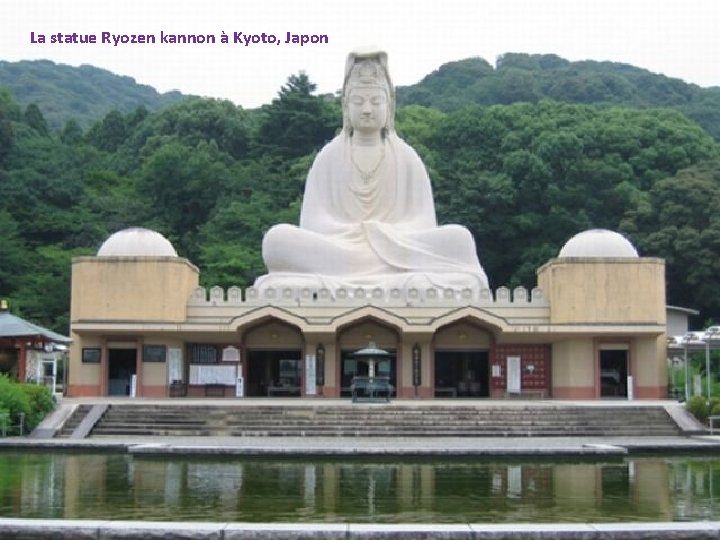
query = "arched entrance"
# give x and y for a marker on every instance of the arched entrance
(357, 336)
(462, 361)
(273, 360)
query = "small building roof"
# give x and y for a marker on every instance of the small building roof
(14, 327)
(679, 309)
(598, 243)
(137, 242)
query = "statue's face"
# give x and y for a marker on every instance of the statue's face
(367, 109)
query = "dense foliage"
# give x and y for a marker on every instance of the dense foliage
(702, 408)
(212, 177)
(31, 400)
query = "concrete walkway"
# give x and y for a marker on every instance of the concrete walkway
(379, 446)
(91, 530)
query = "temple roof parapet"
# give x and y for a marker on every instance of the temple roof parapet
(395, 297)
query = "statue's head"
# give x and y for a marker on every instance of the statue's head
(367, 79)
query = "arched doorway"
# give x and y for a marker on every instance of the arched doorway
(357, 336)
(273, 360)
(462, 361)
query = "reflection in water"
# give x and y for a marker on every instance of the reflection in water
(119, 486)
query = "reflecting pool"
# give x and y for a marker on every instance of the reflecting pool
(122, 486)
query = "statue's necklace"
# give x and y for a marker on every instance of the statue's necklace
(366, 176)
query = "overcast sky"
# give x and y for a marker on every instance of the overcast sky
(679, 38)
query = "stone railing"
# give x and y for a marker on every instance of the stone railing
(288, 296)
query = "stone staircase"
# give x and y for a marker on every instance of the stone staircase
(394, 420)
(73, 422)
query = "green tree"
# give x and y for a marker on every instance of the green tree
(681, 223)
(416, 125)
(193, 121)
(551, 170)
(297, 122)
(231, 241)
(71, 133)
(43, 296)
(183, 184)
(13, 260)
(109, 133)
(35, 119)
(8, 112)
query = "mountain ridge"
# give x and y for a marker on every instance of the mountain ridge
(84, 93)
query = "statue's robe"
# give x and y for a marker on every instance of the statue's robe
(382, 233)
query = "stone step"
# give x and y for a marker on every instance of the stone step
(373, 412)
(659, 430)
(331, 430)
(381, 420)
(639, 418)
(73, 421)
(382, 408)
(397, 427)
(366, 433)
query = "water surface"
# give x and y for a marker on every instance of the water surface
(200, 488)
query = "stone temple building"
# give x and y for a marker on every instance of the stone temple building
(593, 327)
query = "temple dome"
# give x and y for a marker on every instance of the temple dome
(598, 243)
(137, 242)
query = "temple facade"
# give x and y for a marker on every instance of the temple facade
(592, 328)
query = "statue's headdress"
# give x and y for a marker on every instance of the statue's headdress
(368, 68)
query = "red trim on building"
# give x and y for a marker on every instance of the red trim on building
(154, 391)
(83, 390)
(330, 391)
(210, 390)
(535, 378)
(651, 392)
(408, 392)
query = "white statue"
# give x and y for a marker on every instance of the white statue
(368, 218)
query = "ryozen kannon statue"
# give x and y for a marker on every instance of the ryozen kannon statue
(368, 218)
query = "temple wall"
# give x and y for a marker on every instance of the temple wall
(405, 375)
(649, 367)
(573, 369)
(131, 288)
(461, 336)
(82, 374)
(273, 335)
(332, 365)
(154, 379)
(359, 335)
(620, 290)
(233, 297)
(157, 301)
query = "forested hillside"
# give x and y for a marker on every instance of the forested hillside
(531, 78)
(212, 177)
(83, 93)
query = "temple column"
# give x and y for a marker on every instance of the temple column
(104, 365)
(139, 367)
